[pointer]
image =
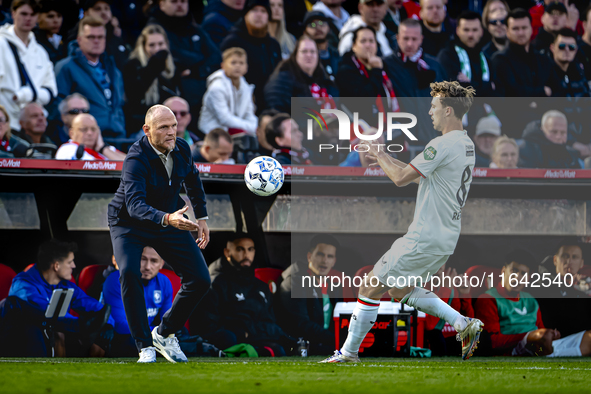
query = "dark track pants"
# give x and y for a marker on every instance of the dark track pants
(179, 250)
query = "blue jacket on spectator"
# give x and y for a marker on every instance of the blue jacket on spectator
(30, 286)
(74, 74)
(157, 292)
(219, 20)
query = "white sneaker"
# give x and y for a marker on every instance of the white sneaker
(470, 337)
(168, 347)
(339, 357)
(147, 355)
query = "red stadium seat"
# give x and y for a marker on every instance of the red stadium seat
(270, 276)
(28, 267)
(480, 271)
(175, 281)
(88, 276)
(6, 276)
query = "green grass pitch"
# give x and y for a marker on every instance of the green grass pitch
(297, 375)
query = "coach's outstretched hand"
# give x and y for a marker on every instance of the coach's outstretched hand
(203, 238)
(177, 220)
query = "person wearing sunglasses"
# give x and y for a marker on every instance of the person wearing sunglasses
(554, 19)
(494, 18)
(180, 107)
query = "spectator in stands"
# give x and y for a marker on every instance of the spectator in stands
(241, 304)
(361, 74)
(554, 19)
(216, 148)
(437, 30)
(114, 46)
(456, 297)
(220, 16)
(33, 125)
(277, 28)
(519, 70)
(92, 73)
(301, 75)
(180, 107)
(494, 18)
(150, 75)
(158, 295)
(488, 129)
(505, 153)
(26, 73)
(191, 47)
(50, 24)
(333, 10)
(69, 107)
(396, 14)
(463, 59)
(265, 149)
(571, 77)
(283, 134)
(584, 42)
(317, 28)
(24, 309)
(371, 13)
(537, 13)
(306, 312)
(545, 143)
(412, 71)
(513, 319)
(566, 307)
(8, 141)
(264, 52)
(227, 103)
(86, 133)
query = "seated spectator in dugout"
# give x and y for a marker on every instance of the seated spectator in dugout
(505, 153)
(216, 148)
(228, 102)
(444, 343)
(86, 133)
(306, 312)
(238, 308)
(284, 135)
(22, 314)
(513, 319)
(568, 308)
(158, 296)
(546, 143)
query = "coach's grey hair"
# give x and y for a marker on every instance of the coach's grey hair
(153, 110)
(553, 114)
(63, 105)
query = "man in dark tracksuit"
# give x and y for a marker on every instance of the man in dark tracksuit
(147, 210)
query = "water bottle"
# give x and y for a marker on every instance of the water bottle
(303, 347)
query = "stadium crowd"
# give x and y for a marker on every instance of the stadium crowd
(228, 69)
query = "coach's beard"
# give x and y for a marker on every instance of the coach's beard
(245, 269)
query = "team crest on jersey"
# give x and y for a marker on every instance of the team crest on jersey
(429, 153)
(157, 296)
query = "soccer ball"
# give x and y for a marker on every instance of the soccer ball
(264, 176)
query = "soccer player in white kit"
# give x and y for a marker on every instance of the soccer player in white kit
(444, 173)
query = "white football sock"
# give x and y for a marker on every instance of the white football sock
(428, 302)
(363, 318)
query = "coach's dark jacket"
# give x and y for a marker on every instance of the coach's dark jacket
(145, 193)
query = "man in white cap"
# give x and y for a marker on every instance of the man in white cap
(488, 129)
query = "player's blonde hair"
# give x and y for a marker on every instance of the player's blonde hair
(454, 95)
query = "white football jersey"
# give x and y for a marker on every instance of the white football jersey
(445, 167)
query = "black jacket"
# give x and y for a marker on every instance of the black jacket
(489, 50)
(564, 308)
(539, 152)
(264, 54)
(518, 73)
(411, 85)
(331, 63)
(239, 302)
(571, 83)
(301, 311)
(542, 42)
(286, 83)
(191, 49)
(450, 61)
(138, 79)
(55, 54)
(219, 20)
(435, 42)
(146, 194)
(584, 57)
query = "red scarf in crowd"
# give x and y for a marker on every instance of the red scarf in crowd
(386, 83)
(416, 58)
(322, 97)
(91, 152)
(302, 157)
(5, 145)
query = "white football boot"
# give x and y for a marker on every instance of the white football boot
(168, 347)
